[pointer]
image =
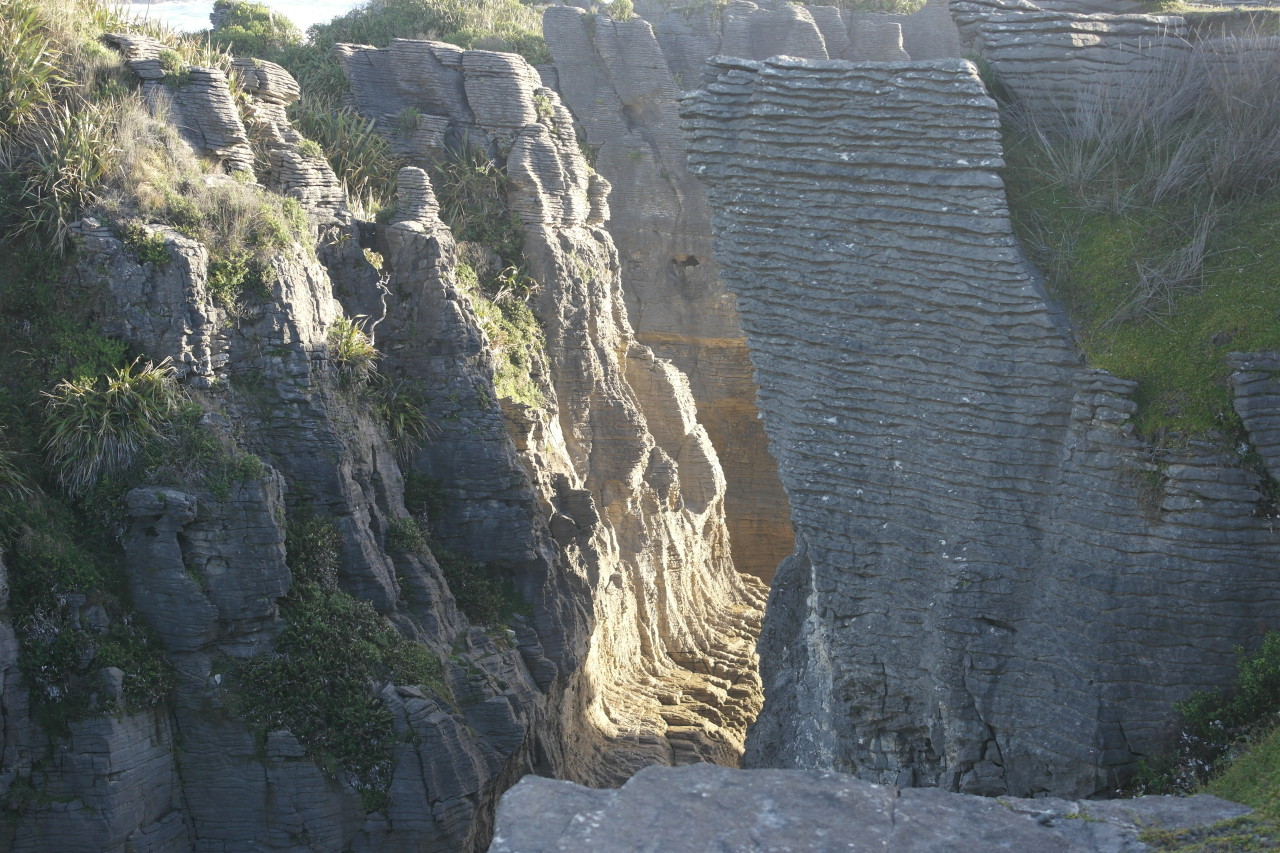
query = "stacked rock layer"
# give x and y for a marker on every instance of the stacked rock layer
(627, 482)
(994, 589)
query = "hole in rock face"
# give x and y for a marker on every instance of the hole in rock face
(685, 261)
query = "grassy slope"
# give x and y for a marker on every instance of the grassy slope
(1178, 358)
(1253, 779)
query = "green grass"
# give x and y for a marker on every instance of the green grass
(1175, 347)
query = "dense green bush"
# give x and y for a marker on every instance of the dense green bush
(251, 29)
(515, 337)
(320, 682)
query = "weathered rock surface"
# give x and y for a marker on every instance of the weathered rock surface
(206, 570)
(996, 588)
(627, 496)
(1255, 379)
(700, 808)
(614, 77)
(620, 78)
(1062, 65)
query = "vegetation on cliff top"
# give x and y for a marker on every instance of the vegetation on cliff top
(1154, 219)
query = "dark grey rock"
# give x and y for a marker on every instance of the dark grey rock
(1040, 590)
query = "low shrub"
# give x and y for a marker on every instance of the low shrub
(146, 248)
(1218, 723)
(483, 595)
(312, 543)
(52, 574)
(424, 496)
(322, 678)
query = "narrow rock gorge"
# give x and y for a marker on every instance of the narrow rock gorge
(600, 498)
(491, 478)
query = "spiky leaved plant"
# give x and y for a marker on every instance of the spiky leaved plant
(97, 426)
(352, 350)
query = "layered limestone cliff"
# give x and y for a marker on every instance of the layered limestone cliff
(1062, 63)
(997, 588)
(603, 505)
(621, 79)
(626, 475)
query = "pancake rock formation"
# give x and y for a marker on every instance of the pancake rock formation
(996, 589)
(624, 474)
(603, 504)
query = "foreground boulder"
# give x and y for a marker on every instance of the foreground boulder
(703, 807)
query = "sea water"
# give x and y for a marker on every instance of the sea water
(193, 15)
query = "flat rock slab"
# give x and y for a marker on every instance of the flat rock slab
(704, 807)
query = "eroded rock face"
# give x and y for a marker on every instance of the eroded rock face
(206, 571)
(694, 809)
(620, 78)
(1062, 63)
(994, 589)
(626, 488)
(614, 77)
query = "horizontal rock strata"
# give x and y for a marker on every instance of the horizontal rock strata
(1065, 66)
(614, 77)
(995, 589)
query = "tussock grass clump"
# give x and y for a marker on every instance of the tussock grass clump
(97, 427)
(352, 350)
(359, 155)
(1152, 212)
(401, 407)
